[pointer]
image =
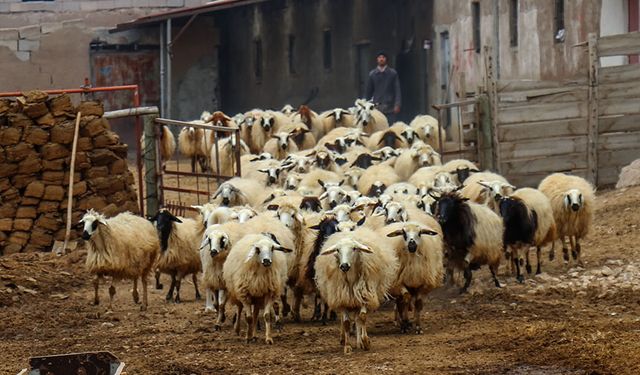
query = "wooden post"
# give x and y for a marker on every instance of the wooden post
(592, 135)
(485, 137)
(150, 155)
(492, 90)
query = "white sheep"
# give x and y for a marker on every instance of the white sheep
(573, 203)
(417, 156)
(123, 247)
(420, 252)
(280, 145)
(179, 257)
(368, 118)
(356, 279)
(528, 221)
(189, 143)
(238, 192)
(255, 274)
(427, 128)
(225, 156)
(336, 117)
(375, 179)
(486, 188)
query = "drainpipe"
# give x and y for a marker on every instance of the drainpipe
(163, 73)
(169, 54)
(496, 38)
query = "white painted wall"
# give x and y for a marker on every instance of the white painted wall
(614, 19)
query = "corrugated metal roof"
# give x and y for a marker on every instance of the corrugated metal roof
(210, 7)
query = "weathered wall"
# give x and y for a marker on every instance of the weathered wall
(378, 24)
(47, 43)
(537, 55)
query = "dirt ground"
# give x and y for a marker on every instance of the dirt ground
(575, 321)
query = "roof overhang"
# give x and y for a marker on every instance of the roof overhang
(157, 18)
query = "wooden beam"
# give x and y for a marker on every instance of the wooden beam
(546, 164)
(620, 44)
(138, 111)
(542, 112)
(543, 147)
(592, 134)
(619, 123)
(620, 73)
(542, 129)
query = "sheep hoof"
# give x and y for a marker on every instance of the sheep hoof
(169, 298)
(198, 297)
(463, 290)
(520, 279)
(347, 349)
(366, 343)
(552, 255)
(96, 302)
(217, 327)
(565, 254)
(143, 308)
(136, 298)
(574, 254)
(418, 330)
(177, 300)
(269, 341)
(209, 309)
(333, 316)
(528, 269)
(159, 286)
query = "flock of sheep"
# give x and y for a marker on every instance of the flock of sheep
(340, 208)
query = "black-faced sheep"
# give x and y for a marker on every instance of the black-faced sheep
(179, 257)
(528, 221)
(374, 180)
(472, 235)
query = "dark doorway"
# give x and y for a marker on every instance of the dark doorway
(364, 64)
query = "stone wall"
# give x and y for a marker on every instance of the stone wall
(36, 136)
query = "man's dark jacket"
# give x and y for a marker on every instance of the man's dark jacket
(383, 87)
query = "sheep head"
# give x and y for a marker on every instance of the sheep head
(573, 200)
(217, 241)
(411, 234)
(91, 219)
(163, 221)
(346, 252)
(263, 249)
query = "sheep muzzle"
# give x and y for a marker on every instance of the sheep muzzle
(345, 267)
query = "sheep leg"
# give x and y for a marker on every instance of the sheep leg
(297, 301)
(236, 318)
(267, 316)
(516, 260)
(221, 310)
(171, 287)
(578, 252)
(528, 266)
(538, 254)
(158, 285)
(467, 279)
(195, 285)
(178, 283)
(494, 274)
(565, 250)
(209, 305)
(248, 316)
(134, 293)
(574, 249)
(96, 284)
(316, 308)
(552, 252)
(112, 293)
(361, 328)
(286, 308)
(193, 164)
(346, 327)
(417, 312)
(145, 301)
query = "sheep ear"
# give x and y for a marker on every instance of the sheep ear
(272, 236)
(283, 249)
(361, 221)
(269, 199)
(263, 170)
(272, 207)
(172, 219)
(199, 208)
(427, 231)
(321, 183)
(322, 196)
(101, 220)
(251, 253)
(482, 183)
(151, 219)
(362, 247)
(315, 227)
(474, 170)
(511, 186)
(331, 250)
(396, 233)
